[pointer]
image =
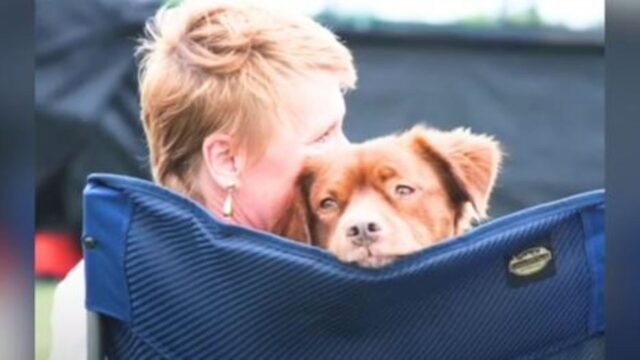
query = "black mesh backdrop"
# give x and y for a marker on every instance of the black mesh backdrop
(545, 103)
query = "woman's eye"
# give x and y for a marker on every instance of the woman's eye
(328, 203)
(404, 190)
(323, 138)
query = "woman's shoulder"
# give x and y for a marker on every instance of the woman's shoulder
(73, 283)
(68, 317)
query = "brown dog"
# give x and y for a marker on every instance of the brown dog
(374, 202)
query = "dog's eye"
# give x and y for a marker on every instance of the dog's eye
(328, 203)
(404, 190)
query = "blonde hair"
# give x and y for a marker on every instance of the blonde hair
(212, 66)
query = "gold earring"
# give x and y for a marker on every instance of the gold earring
(227, 208)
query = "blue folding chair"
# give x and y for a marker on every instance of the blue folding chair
(167, 280)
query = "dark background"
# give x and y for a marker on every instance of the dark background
(540, 94)
(543, 101)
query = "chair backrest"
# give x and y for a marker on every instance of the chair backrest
(175, 282)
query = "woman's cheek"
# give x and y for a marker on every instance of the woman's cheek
(342, 139)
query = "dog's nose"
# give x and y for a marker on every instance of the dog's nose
(363, 233)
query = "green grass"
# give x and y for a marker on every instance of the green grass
(43, 301)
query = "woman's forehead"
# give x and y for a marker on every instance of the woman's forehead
(314, 102)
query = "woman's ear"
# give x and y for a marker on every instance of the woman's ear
(474, 160)
(222, 164)
(297, 219)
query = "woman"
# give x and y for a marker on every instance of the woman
(234, 96)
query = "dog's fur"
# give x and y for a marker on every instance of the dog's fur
(373, 202)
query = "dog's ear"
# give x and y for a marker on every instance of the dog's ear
(296, 221)
(472, 161)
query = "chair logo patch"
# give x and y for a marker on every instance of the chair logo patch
(530, 261)
(530, 265)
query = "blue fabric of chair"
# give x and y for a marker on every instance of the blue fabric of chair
(175, 282)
